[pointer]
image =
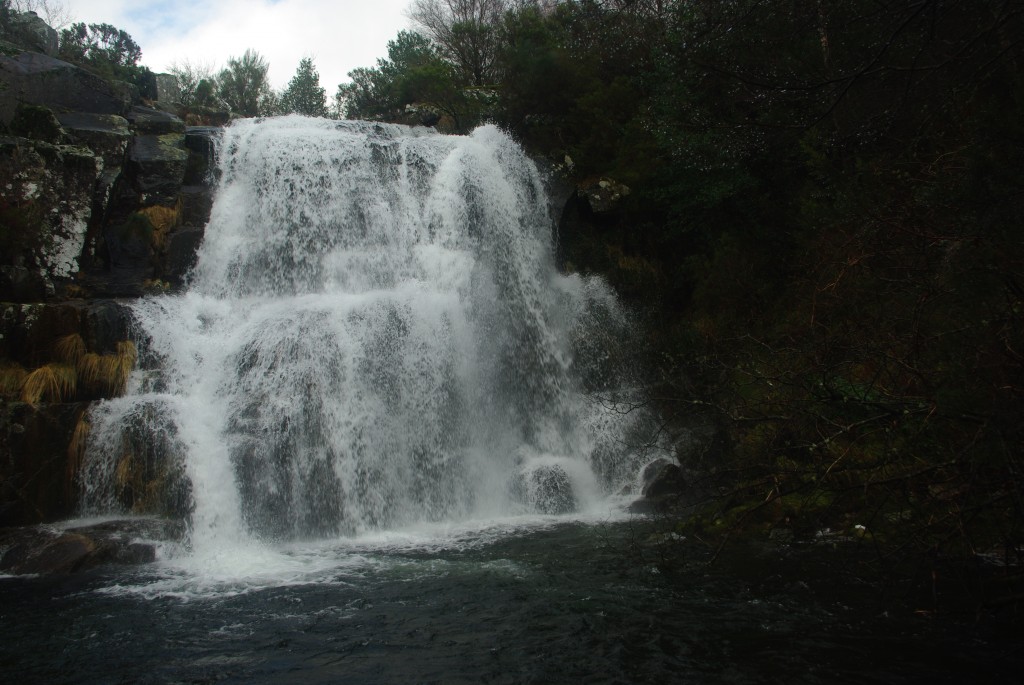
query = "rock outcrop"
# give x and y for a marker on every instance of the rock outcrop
(103, 196)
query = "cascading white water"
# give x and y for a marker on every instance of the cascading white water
(374, 334)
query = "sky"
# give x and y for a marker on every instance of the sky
(339, 35)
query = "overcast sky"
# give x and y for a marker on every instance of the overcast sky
(339, 35)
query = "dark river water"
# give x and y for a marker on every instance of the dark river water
(545, 601)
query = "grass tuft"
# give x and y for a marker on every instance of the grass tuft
(76, 447)
(107, 374)
(69, 349)
(51, 383)
(12, 377)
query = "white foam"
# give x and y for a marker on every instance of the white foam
(374, 339)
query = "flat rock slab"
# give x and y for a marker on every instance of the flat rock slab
(107, 135)
(149, 121)
(38, 79)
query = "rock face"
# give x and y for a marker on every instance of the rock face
(38, 461)
(48, 199)
(101, 197)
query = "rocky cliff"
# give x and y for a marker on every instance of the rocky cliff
(103, 197)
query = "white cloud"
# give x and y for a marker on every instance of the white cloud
(339, 35)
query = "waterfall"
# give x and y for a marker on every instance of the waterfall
(374, 334)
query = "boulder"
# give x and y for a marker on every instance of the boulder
(663, 489)
(39, 79)
(203, 115)
(602, 194)
(167, 90)
(55, 550)
(547, 489)
(45, 552)
(29, 31)
(149, 121)
(662, 477)
(37, 123)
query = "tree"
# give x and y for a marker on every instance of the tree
(466, 33)
(243, 84)
(99, 45)
(304, 95)
(195, 82)
(414, 73)
(54, 12)
(107, 51)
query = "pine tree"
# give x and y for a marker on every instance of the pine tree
(304, 95)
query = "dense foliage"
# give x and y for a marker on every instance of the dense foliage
(304, 94)
(244, 85)
(105, 49)
(823, 230)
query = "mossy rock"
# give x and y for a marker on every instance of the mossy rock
(37, 123)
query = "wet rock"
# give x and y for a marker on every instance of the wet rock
(182, 248)
(107, 135)
(37, 469)
(549, 490)
(51, 550)
(196, 205)
(201, 142)
(662, 477)
(156, 167)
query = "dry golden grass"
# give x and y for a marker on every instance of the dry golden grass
(163, 220)
(69, 349)
(107, 374)
(124, 361)
(90, 370)
(124, 475)
(76, 447)
(12, 377)
(52, 383)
